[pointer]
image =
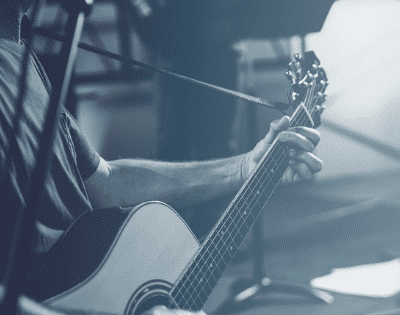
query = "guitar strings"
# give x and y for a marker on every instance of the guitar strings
(205, 261)
(233, 222)
(282, 153)
(278, 163)
(273, 152)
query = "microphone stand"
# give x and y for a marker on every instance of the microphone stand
(283, 107)
(15, 278)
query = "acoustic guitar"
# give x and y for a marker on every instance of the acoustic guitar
(113, 262)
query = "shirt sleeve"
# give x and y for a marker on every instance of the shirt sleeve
(86, 156)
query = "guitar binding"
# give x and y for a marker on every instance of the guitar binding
(148, 295)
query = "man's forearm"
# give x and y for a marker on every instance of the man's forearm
(178, 184)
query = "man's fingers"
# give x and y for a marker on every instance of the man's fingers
(312, 162)
(162, 310)
(298, 140)
(290, 176)
(275, 127)
(310, 133)
(301, 170)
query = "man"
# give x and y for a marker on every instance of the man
(80, 180)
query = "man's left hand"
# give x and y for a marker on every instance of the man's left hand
(303, 164)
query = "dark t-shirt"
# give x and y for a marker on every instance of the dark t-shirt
(74, 160)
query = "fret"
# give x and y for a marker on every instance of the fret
(244, 228)
(185, 284)
(226, 227)
(248, 222)
(228, 254)
(198, 303)
(234, 237)
(188, 291)
(234, 233)
(188, 294)
(191, 279)
(226, 240)
(210, 257)
(233, 219)
(228, 245)
(248, 202)
(203, 275)
(250, 205)
(244, 225)
(228, 223)
(237, 240)
(208, 267)
(238, 231)
(249, 214)
(202, 288)
(206, 287)
(200, 293)
(189, 300)
(186, 300)
(256, 192)
(219, 248)
(178, 296)
(218, 258)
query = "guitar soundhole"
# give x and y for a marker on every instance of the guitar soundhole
(149, 295)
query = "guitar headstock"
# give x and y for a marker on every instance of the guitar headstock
(308, 83)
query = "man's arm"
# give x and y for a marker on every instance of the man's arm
(129, 182)
(133, 181)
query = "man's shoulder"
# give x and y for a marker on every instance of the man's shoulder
(11, 54)
(12, 48)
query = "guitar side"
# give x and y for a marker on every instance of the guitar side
(148, 253)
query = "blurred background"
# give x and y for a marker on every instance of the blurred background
(348, 216)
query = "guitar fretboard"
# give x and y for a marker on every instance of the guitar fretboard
(199, 279)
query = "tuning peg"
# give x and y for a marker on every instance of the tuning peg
(324, 85)
(320, 109)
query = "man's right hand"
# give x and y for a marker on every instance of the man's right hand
(162, 310)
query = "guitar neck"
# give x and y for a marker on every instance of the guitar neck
(202, 274)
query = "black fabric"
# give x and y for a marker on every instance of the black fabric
(74, 160)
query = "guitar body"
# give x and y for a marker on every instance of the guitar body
(125, 264)
(137, 263)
